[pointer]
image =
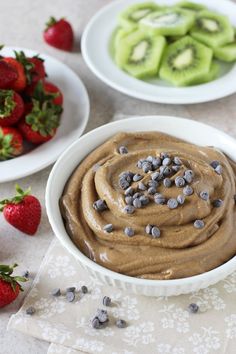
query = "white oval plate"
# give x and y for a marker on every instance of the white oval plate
(95, 49)
(73, 121)
(186, 129)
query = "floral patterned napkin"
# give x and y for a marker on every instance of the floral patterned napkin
(155, 325)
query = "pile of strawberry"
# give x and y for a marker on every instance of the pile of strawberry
(30, 106)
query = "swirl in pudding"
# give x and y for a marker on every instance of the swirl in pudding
(152, 206)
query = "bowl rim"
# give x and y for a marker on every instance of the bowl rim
(65, 239)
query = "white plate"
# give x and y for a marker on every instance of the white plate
(95, 49)
(73, 121)
(186, 129)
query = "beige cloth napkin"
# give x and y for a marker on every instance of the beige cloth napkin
(155, 325)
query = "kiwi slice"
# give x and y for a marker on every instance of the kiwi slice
(210, 76)
(185, 61)
(212, 29)
(191, 6)
(116, 36)
(226, 53)
(168, 22)
(140, 54)
(130, 18)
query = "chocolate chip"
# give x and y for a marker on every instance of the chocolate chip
(167, 182)
(167, 171)
(30, 310)
(102, 316)
(214, 164)
(147, 166)
(123, 150)
(140, 163)
(153, 184)
(106, 301)
(70, 296)
(175, 168)
(129, 200)
(199, 224)
(84, 289)
(108, 228)
(96, 323)
(188, 190)
(164, 155)
(56, 292)
(144, 200)
(156, 232)
(100, 205)
(70, 289)
(137, 195)
(123, 183)
(193, 308)
(129, 231)
(152, 190)
(154, 176)
(148, 229)
(217, 203)
(121, 323)
(156, 162)
(137, 177)
(137, 203)
(219, 170)
(129, 209)
(26, 274)
(129, 191)
(159, 199)
(180, 182)
(141, 186)
(188, 176)
(172, 203)
(181, 199)
(177, 161)
(204, 195)
(166, 161)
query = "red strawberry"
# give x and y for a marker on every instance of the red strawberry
(9, 286)
(59, 34)
(7, 75)
(51, 88)
(40, 124)
(11, 143)
(23, 211)
(20, 83)
(38, 70)
(11, 107)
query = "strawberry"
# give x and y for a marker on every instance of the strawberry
(59, 34)
(11, 107)
(40, 124)
(11, 143)
(9, 285)
(51, 88)
(7, 75)
(38, 70)
(20, 83)
(23, 211)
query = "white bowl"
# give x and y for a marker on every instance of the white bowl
(188, 130)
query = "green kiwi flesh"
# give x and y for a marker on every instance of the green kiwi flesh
(212, 29)
(210, 76)
(192, 6)
(185, 61)
(140, 54)
(130, 17)
(168, 22)
(226, 53)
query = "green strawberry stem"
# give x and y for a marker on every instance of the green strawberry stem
(7, 103)
(6, 149)
(6, 275)
(28, 66)
(51, 22)
(17, 199)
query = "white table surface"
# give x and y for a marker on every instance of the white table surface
(21, 24)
